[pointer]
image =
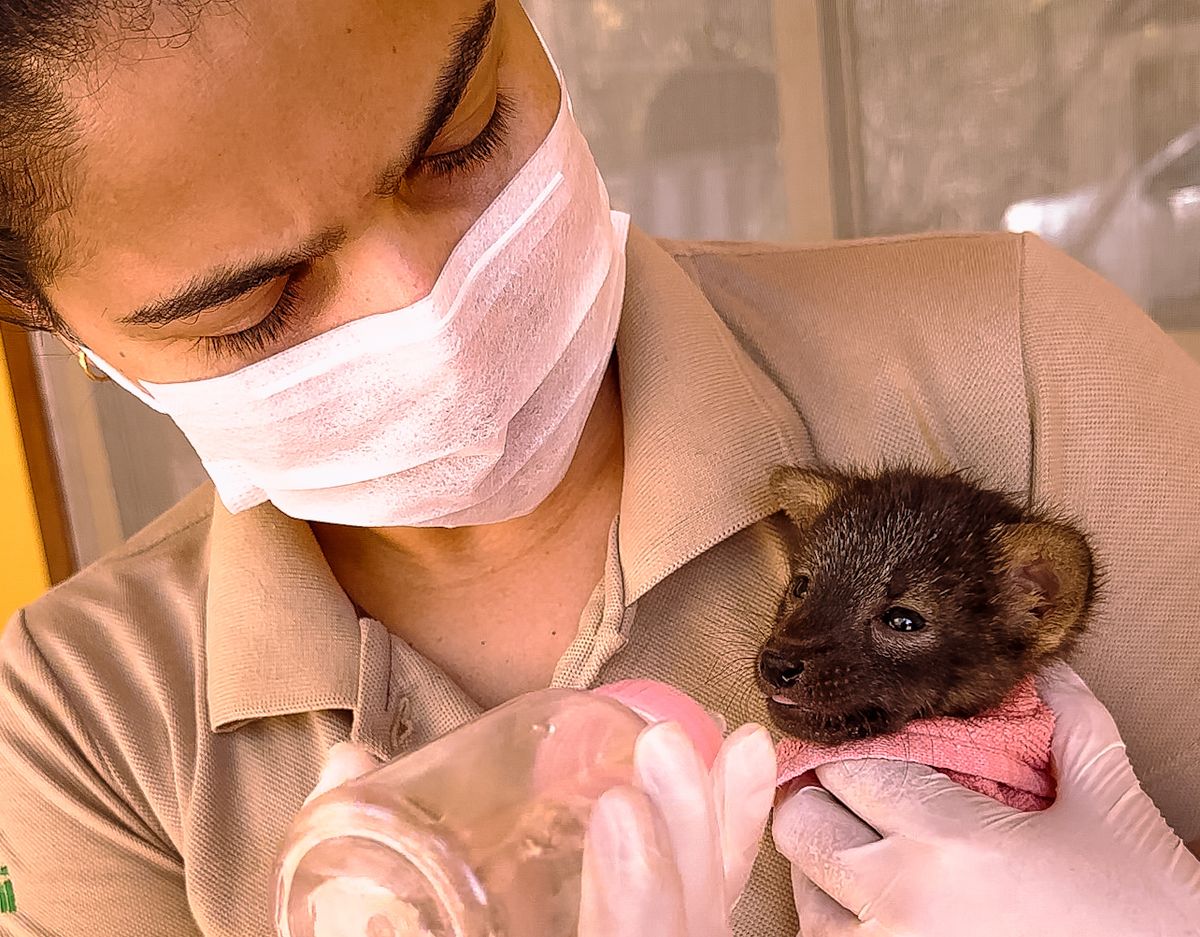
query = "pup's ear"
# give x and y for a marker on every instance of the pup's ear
(803, 493)
(1048, 566)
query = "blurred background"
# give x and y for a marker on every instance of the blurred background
(789, 120)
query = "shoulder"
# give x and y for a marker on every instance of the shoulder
(929, 308)
(963, 348)
(79, 665)
(152, 584)
(902, 348)
(987, 283)
(908, 275)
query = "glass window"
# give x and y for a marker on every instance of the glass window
(1077, 120)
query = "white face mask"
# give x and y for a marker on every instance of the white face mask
(463, 408)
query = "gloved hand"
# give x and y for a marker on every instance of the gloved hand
(670, 854)
(916, 855)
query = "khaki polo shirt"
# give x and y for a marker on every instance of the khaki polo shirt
(165, 712)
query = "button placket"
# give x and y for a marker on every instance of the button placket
(603, 627)
(400, 728)
(374, 715)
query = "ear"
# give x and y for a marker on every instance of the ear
(804, 494)
(1049, 568)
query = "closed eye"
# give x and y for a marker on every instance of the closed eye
(487, 144)
(264, 335)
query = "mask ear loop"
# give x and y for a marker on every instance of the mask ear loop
(85, 366)
(93, 364)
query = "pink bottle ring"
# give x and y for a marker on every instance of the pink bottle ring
(590, 749)
(657, 702)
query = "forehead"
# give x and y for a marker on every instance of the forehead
(869, 535)
(190, 150)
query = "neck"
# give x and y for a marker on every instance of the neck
(374, 565)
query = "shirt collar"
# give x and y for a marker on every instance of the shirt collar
(703, 428)
(704, 425)
(281, 635)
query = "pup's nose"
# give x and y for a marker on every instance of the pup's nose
(778, 671)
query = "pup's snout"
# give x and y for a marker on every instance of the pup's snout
(777, 670)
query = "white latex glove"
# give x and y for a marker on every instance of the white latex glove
(343, 762)
(916, 855)
(670, 854)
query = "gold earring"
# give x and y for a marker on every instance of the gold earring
(86, 366)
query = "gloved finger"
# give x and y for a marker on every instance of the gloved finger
(902, 798)
(1089, 754)
(818, 914)
(743, 784)
(817, 835)
(343, 762)
(630, 883)
(668, 768)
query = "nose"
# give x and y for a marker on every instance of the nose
(777, 670)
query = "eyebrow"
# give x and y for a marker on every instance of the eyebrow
(228, 283)
(466, 54)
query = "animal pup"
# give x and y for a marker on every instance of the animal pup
(912, 595)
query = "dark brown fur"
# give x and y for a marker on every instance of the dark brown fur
(1000, 591)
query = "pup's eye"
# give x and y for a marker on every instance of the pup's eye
(903, 619)
(799, 587)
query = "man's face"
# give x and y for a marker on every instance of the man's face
(295, 165)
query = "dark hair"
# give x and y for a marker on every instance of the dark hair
(43, 44)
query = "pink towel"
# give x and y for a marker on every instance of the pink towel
(1003, 753)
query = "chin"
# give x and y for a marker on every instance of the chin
(827, 727)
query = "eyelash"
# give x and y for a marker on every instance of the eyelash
(258, 338)
(490, 141)
(263, 335)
